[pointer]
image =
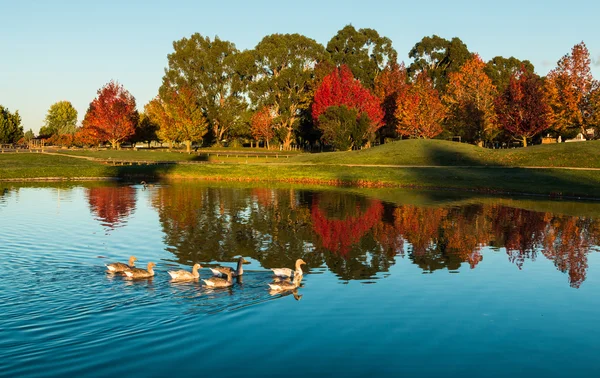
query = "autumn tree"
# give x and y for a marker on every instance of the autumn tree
(282, 71)
(262, 125)
(186, 115)
(340, 88)
(501, 69)
(61, 119)
(112, 115)
(470, 97)
(212, 70)
(522, 108)
(11, 129)
(570, 91)
(419, 110)
(392, 81)
(439, 57)
(156, 112)
(364, 51)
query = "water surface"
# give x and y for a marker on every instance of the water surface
(396, 284)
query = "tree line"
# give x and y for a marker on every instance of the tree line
(289, 90)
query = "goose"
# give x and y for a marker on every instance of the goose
(222, 270)
(141, 273)
(287, 272)
(286, 285)
(119, 267)
(184, 275)
(219, 282)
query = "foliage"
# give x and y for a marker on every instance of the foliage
(392, 81)
(470, 98)
(11, 129)
(28, 136)
(262, 125)
(186, 115)
(501, 69)
(439, 57)
(212, 69)
(419, 110)
(146, 129)
(343, 127)
(61, 119)
(521, 108)
(156, 112)
(364, 51)
(570, 90)
(282, 71)
(341, 88)
(111, 116)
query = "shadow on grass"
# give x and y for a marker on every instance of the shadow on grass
(553, 182)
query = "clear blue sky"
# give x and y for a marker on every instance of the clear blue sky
(66, 50)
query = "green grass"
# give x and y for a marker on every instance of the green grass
(33, 165)
(491, 173)
(444, 153)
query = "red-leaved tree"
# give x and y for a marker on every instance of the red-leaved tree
(522, 109)
(112, 115)
(262, 125)
(340, 88)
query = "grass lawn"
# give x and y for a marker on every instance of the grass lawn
(490, 169)
(438, 152)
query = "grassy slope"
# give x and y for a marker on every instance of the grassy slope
(438, 152)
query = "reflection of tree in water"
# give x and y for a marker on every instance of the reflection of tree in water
(111, 204)
(357, 237)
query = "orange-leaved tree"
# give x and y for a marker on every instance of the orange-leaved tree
(112, 115)
(570, 91)
(262, 125)
(522, 108)
(419, 110)
(470, 97)
(388, 85)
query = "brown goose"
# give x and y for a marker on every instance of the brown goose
(141, 273)
(222, 270)
(184, 275)
(219, 282)
(119, 267)
(287, 272)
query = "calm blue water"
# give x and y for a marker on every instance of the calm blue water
(398, 283)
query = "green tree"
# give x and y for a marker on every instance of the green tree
(364, 51)
(501, 69)
(11, 129)
(146, 129)
(29, 136)
(61, 119)
(439, 57)
(343, 128)
(282, 70)
(211, 69)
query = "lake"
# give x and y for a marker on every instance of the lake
(397, 282)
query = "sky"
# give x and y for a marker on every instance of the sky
(58, 50)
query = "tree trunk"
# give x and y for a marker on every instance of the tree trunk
(267, 144)
(524, 141)
(288, 140)
(188, 146)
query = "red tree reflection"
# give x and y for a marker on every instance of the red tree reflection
(112, 205)
(338, 235)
